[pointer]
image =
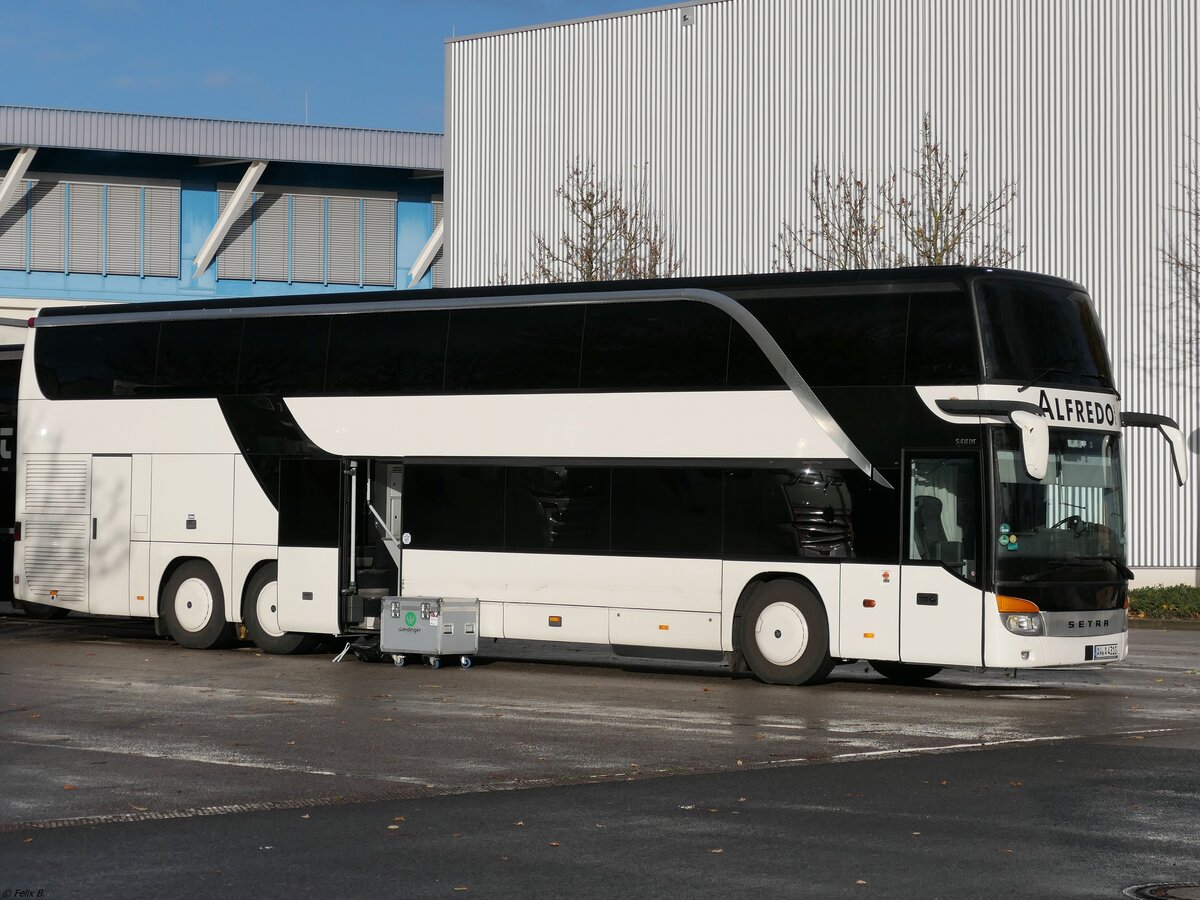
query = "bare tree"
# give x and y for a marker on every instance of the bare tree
(1182, 256)
(613, 232)
(848, 229)
(936, 224)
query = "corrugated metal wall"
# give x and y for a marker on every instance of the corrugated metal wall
(1087, 104)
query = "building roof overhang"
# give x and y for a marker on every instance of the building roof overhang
(219, 139)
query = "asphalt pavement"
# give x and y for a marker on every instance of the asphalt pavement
(132, 767)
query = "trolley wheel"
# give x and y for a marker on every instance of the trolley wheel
(784, 634)
(466, 662)
(398, 660)
(435, 662)
(194, 606)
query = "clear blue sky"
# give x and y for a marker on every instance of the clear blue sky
(368, 63)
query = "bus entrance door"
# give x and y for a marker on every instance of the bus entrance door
(379, 536)
(941, 603)
(310, 521)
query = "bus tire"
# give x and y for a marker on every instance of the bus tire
(194, 606)
(41, 610)
(904, 673)
(785, 634)
(258, 615)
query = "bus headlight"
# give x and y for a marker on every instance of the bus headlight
(1023, 624)
(1019, 616)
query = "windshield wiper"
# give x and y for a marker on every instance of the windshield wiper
(1061, 371)
(1123, 569)
(1116, 563)
(1034, 576)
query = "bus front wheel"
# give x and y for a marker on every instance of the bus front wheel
(260, 614)
(194, 606)
(785, 635)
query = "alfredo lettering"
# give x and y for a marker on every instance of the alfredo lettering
(1067, 409)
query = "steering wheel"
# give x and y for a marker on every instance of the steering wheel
(1071, 522)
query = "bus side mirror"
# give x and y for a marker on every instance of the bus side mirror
(1169, 429)
(1035, 442)
(1027, 417)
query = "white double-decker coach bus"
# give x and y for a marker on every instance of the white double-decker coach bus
(920, 468)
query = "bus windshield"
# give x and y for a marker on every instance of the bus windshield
(1037, 332)
(1070, 526)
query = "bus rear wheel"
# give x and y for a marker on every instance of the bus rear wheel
(784, 635)
(904, 673)
(260, 614)
(194, 606)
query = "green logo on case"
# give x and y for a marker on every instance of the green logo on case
(410, 618)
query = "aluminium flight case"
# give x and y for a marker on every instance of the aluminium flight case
(430, 626)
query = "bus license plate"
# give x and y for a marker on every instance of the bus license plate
(1103, 651)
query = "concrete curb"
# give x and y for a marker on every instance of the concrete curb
(1166, 624)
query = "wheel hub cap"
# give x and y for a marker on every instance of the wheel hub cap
(193, 604)
(781, 634)
(267, 610)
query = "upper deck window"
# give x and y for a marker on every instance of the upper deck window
(863, 340)
(1041, 333)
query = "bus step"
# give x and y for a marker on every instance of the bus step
(373, 578)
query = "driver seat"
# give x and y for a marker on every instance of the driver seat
(928, 531)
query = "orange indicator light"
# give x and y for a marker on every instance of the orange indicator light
(868, 634)
(1015, 605)
(664, 627)
(869, 604)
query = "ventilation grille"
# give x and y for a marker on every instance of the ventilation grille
(55, 555)
(56, 485)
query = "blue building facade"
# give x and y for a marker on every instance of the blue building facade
(103, 206)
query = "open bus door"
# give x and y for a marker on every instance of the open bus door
(311, 515)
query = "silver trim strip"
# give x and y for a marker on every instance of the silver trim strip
(1085, 624)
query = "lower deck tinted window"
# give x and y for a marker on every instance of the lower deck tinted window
(557, 508)
(788, 513)
(97, 361)
(454, 507)
(669, 511)
(764, 514)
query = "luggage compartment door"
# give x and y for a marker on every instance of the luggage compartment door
(108, 560)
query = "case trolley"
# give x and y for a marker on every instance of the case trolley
(433, 627)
